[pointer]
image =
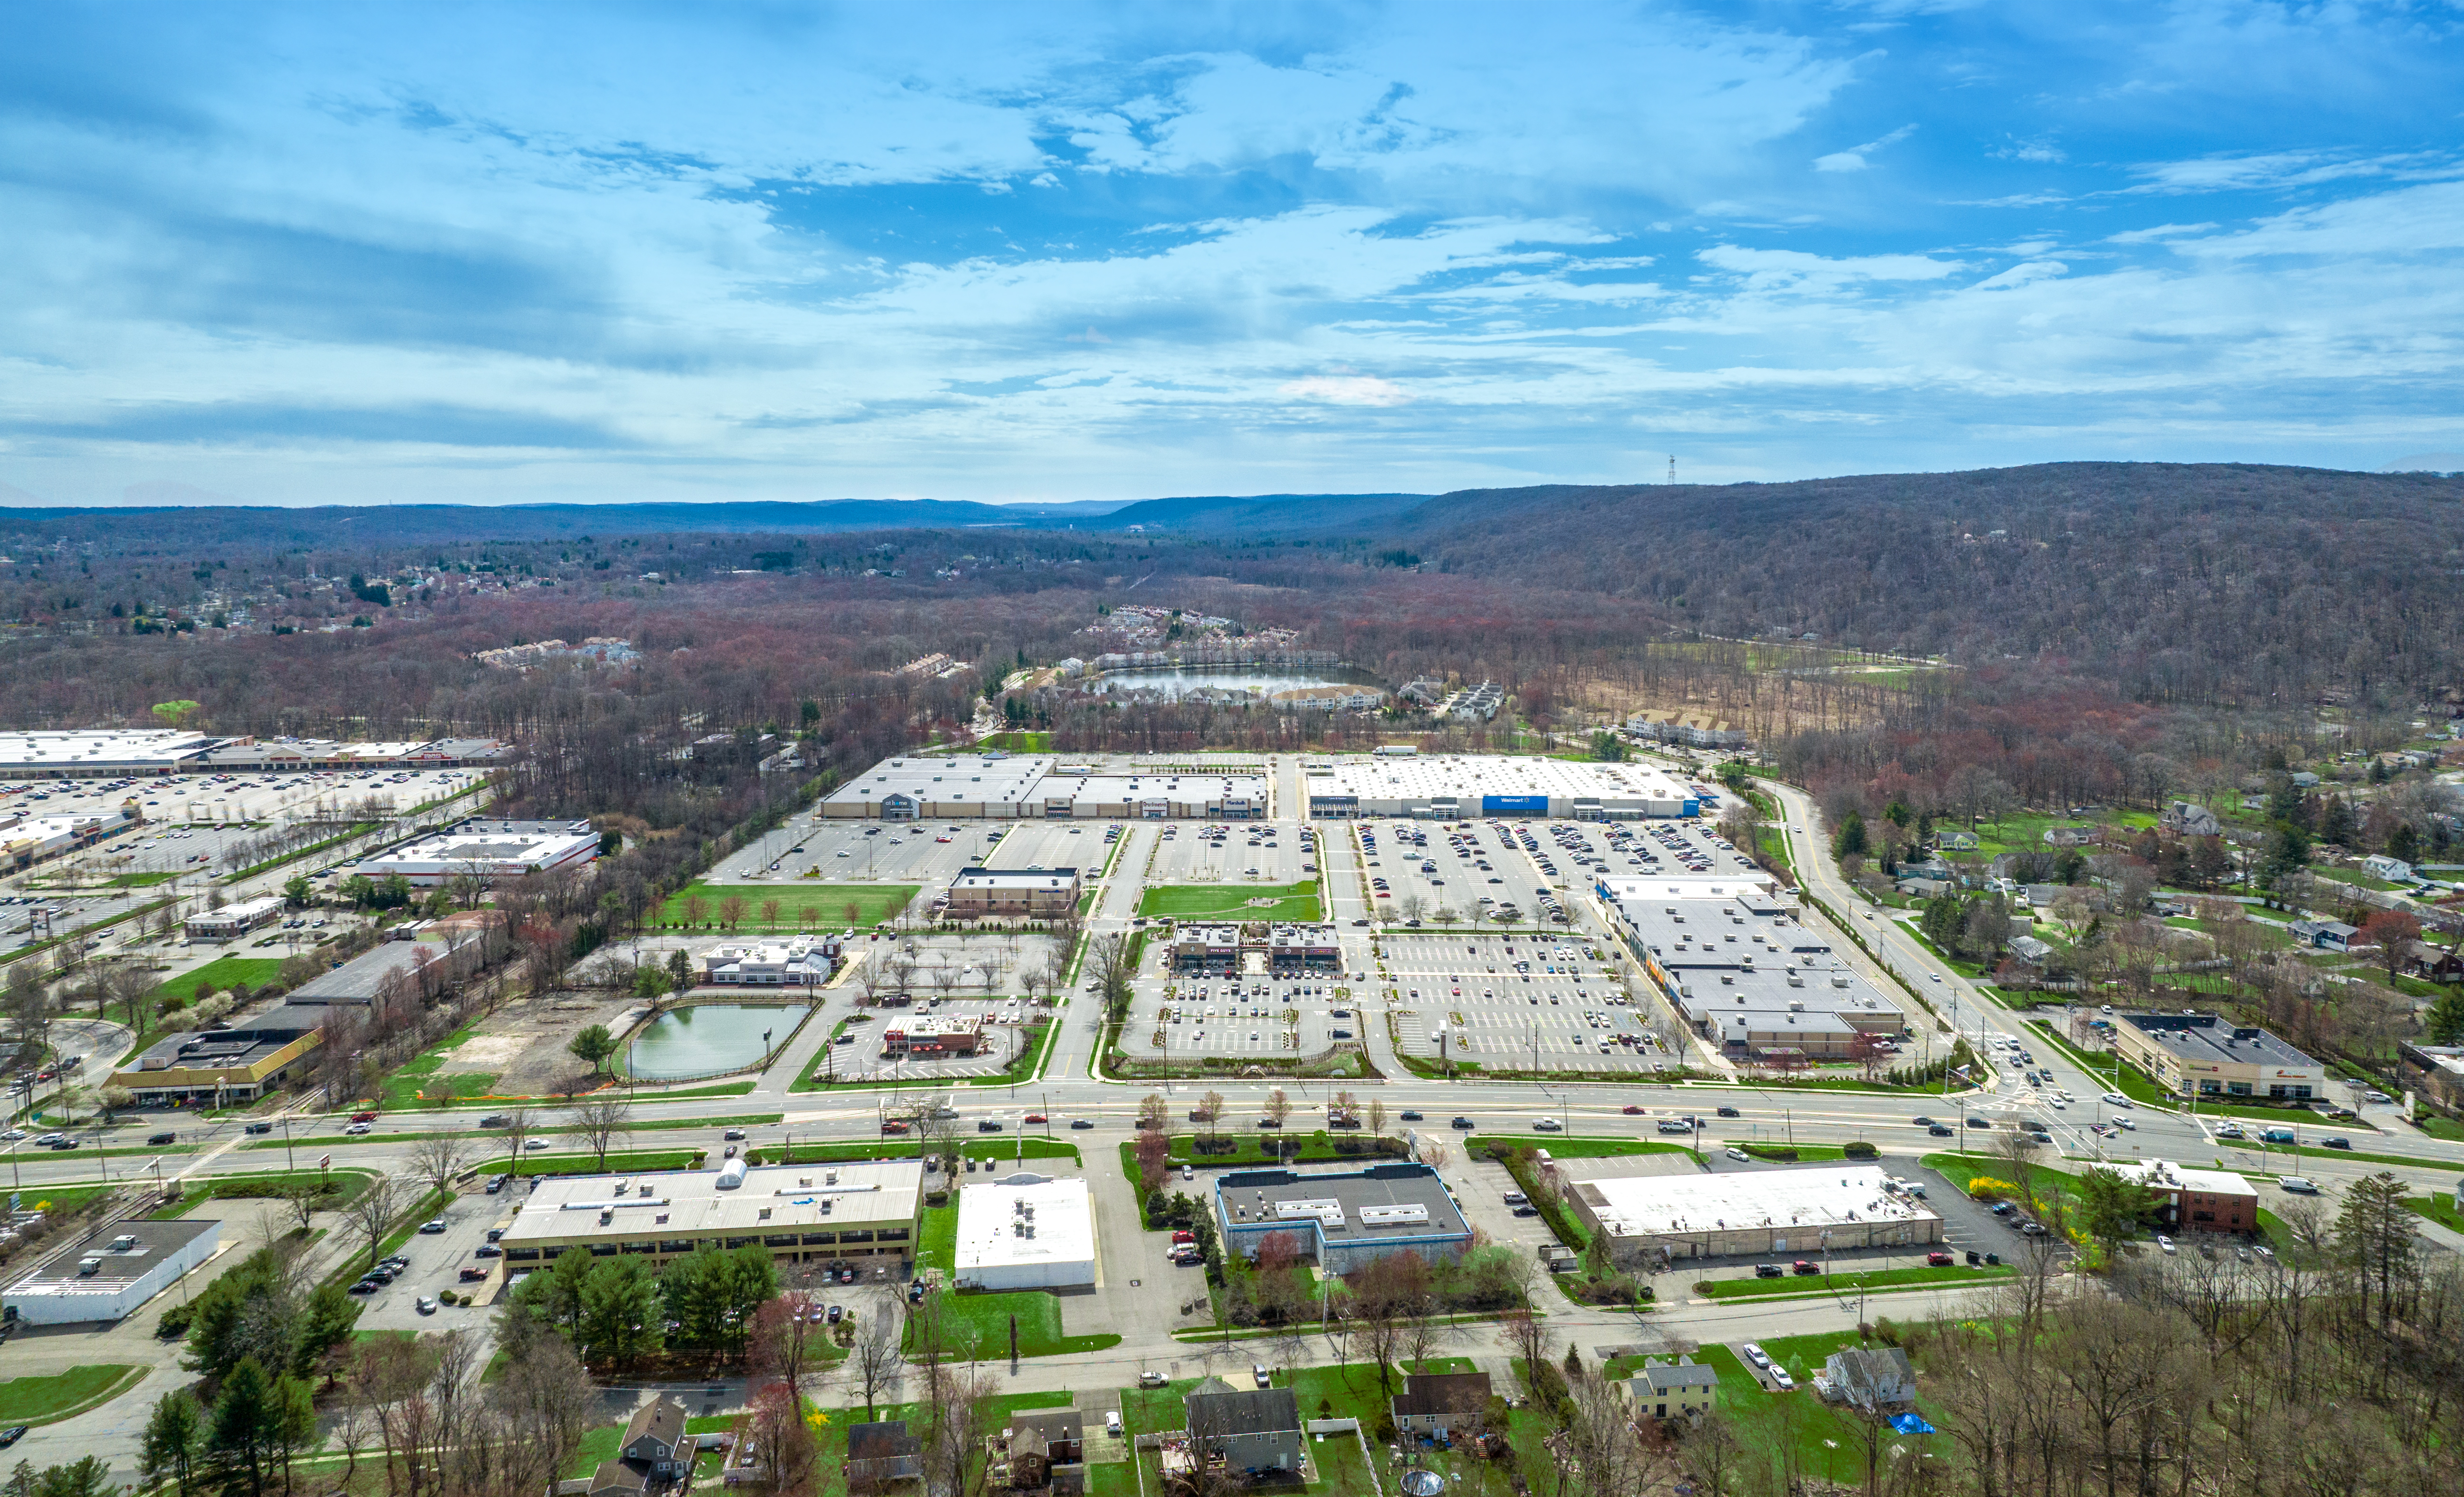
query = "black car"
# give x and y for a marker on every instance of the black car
(1409, 1115)
(163, 1138)
(1466, 1124)
(365, 1287)
(1730, 1111)
(12, 1435)
(1339, 1034)
(1940, 1130)
(988, 1125)
(259, 1128)
(1079, 1122)
(1527, 1211)
(1268, 1122)
(2335, 1143)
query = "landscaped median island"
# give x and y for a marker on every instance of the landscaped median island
(1232, 901)
(803, 905)
(58, 1395)
(1850, 1283)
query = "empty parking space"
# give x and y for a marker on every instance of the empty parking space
(1517, 1001)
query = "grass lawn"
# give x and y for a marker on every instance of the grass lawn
(1824, 1442)
(221, 973)
(552, 1163)
(416, 1084)
(937, 1240)
(2440, 1209)
(1232, 901)
(1019, 740)
(979, 1324)
(2438, 1125)
(144, 880)
(1845, 1282)
(1561, 1147)
(1801, 1153)
(63, 1198)
(873, 902)
(1315, 1148)
(41, 1401)
(345, 1187)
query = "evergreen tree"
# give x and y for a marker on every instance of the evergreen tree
(620, 1310)
(246, 1419)
(2336, 823)
(174, 1442)
(2445, 1020)
(1851, 841)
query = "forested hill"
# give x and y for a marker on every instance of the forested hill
(2189, 582)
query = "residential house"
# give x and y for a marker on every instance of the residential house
(2069, 836)
(1048, 1449)
(2324, 935)
(2030, 950)
(2189, 819)
(882, 1455)
(2395, 871)
(1871, 1378)
(618, 1479)
(1249, 1431)
(1955, 841)
(656, 1440)
(1679, 1389)
(2304, 779)
(2436, 963)
(1441, 1405)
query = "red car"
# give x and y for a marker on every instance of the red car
(1938, 1259)
(363, 1118)
(1037, 1117)
(1632, 1111)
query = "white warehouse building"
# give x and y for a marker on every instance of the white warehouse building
(102, 1279)
(1026, 1231)
(1460, 786)
(485, 849)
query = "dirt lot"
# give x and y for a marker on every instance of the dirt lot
(524, 1044)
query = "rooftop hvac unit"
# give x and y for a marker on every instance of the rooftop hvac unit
(1839, 980)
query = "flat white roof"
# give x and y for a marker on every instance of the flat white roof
(1660, 1204)
(1058, 1225)
(102, 747)
(1470, 777)
(2165, 1174)
(983, 779)
(567, 1207)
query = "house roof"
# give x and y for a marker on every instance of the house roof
(1685, 1373)
(619, 1476)
(1255, 1411)
(1041, 1429)
(661, 1419)
(886, 1441)
(1442, 1393)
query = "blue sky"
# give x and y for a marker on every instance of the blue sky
(324, 254)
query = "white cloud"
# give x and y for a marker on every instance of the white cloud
(1775, 270)
(2022, 274)
(2160, 232)
(1346, 389)
(1852, 159)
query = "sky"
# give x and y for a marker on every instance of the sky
(318, 253)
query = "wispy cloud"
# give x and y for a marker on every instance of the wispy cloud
(1852, 159)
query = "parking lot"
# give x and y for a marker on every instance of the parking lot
(856, 1054)
(1187, 1017)
(436, 1262)
(1457, 872)
(1503, 1000)
(1232, 852)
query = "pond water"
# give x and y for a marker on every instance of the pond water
(1172, 685)
(709, 1037)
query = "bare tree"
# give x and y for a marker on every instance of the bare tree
(437, 1158)
(873, 1364)
(1278, 1106)
(602, 1121)
(517, 1130)
(372, 1211)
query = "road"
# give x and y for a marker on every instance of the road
(1067, 1091)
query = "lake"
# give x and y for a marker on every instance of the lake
(709, 1037)
(1173, 685)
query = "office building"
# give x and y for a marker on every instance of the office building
(2208, 1055)
(810, 1213)
(1025, 1231)
(1344, 1220)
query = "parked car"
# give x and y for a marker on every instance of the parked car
(1937, 1260)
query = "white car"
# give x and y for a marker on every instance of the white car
(2165, 1242)
(534, 1143)
(2123, 1122)
(1780, 1376)
(1756, 1356)
(1740, 1156)
(2118, 1099)
(356, 1128)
